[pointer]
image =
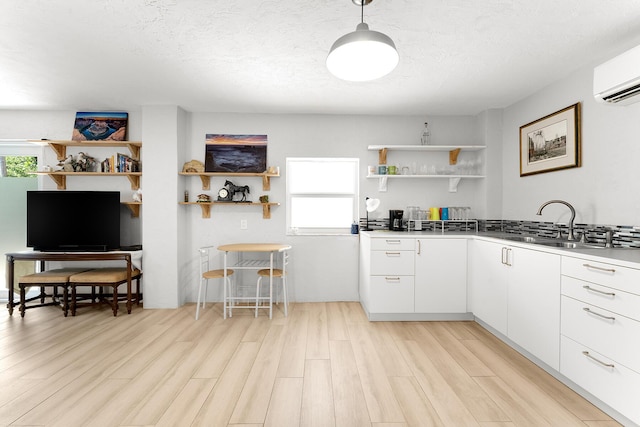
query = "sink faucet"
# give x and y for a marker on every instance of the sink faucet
(573, 215)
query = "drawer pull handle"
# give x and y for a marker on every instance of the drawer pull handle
(393, 242)
(392, 279)
(392, 253)
(595, 267)
(599, 315)
(589, 288)
(608, 365)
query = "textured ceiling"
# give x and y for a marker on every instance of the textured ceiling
(267, 56)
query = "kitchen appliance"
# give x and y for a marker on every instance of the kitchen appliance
(395, 219)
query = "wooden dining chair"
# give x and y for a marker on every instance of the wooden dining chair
(206, 274)
(277, 274)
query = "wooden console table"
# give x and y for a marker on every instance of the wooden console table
(43, 257)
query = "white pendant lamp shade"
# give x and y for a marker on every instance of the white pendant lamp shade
(362, 55)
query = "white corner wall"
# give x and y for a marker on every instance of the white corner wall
(161, 240)
(604, 190)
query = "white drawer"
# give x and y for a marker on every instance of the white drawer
(614, 276)
(391, 294)
(393, 262)
(383, 244)
(609, 333)
(617, 386)
(614, 300)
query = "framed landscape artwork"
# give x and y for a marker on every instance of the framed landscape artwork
(100, 126)
(235, 153)
(551, 143)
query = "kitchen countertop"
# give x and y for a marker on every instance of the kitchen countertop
(629, 257)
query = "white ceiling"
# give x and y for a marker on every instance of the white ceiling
(268, 56)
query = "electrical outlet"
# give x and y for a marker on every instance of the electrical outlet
(243, 224)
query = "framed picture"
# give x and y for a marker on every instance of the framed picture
(235, 153)
(551, 143)
(100, 126)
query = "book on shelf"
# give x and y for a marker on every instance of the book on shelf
(120, 163)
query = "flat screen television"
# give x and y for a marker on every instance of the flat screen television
(73, 220)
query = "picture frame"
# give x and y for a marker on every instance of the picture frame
(552, 142)
(235, 153)
(100, 126)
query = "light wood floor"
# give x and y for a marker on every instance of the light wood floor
(324, 365)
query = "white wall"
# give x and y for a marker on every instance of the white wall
(605, 189)
(323, 268)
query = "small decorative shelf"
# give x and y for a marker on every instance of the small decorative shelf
(60, 147)
(134, 207)
(60, 178)
(206, 206)
(205, 177)
(453, 150)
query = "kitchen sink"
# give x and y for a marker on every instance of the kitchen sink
(568, 245)
(518, 238)
(547, 241)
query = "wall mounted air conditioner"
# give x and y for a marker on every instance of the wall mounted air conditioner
(617, 81)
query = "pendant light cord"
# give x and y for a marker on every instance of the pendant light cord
(362, 12)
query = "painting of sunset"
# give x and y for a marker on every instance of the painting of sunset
(235, 153)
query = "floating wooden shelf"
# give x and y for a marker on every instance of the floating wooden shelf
(206, 177)
(206, 207)
(134, 207)
(60, 147)
(60, 178)
(453, 150)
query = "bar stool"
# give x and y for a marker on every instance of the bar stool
(205, 275)
(277, 274)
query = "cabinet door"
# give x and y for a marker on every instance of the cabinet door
(488, 283)
(441, 276)
(534, 303)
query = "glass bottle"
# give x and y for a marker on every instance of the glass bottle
(426, 135)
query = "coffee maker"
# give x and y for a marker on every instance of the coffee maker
(395, 219)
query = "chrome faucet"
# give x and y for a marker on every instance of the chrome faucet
(571, 236)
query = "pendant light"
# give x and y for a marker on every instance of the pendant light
(362, 55)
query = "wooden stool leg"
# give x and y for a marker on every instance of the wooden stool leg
(114, 306)
(73, 300)
(22, 308)
(65, 301)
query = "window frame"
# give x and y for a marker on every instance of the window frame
(354, 196)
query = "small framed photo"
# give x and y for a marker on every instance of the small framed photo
(551, 143)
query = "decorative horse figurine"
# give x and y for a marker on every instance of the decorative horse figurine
(233, 189)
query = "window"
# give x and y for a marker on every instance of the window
(17, 159)
(322, 195)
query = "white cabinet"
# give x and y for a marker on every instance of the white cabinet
(517, 292)
(413, 279)
(600, 345)
(441, 276)
(386, 274)
(488, 283)
(533, 302)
